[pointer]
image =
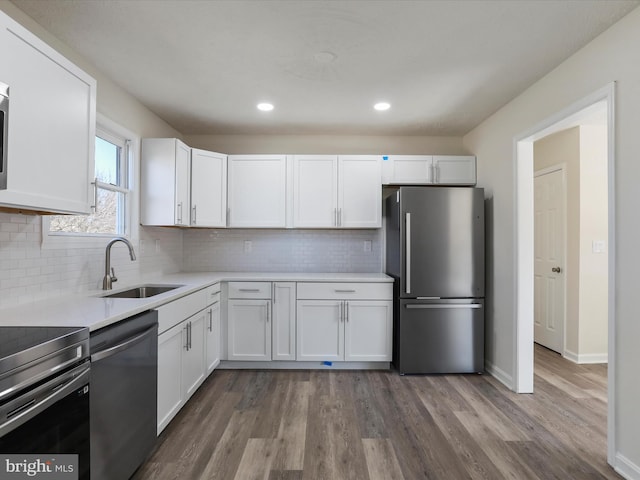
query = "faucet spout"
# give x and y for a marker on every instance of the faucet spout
(109, 276)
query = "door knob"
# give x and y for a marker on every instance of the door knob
(556, 269)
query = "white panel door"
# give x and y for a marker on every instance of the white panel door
(208, 189)
(249, 330)
(549, 268)
(320, 330)
(454, 169)
(193, 364)
(368, 331)
(183, 183)
(257, 191)
(359, 191)
(170, 396)
(315, 191)
(284, 321)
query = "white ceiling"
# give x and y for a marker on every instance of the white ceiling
(443, 65)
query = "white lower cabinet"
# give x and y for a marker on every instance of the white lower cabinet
(188, 350)
(353, 331)
(261, 321)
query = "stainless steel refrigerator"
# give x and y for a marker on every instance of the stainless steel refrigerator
(435, 252)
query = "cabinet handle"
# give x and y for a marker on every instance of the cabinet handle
(190, 331)
(179, 212)
(211, 319)
(346, 310)
(339, 217)
(249, 290)
(193, 220)
(186, 336)
(268, 312)
(344, 291)
(341, 311)
(95, 195)
(335, 217)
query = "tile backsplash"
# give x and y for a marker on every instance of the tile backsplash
(333, 251)
(29, 272)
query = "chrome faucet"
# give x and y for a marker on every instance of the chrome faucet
(109, 273)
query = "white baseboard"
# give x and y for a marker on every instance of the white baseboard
(586, 357)
(500, 375)
(627, 468)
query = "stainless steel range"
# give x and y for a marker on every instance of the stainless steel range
(44, 392)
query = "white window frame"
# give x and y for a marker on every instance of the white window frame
(115, 133)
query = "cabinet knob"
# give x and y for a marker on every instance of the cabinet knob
(556, 269)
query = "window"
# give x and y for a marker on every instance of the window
(112, 211)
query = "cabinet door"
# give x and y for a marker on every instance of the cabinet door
(360, 192)
(249, 330)
(257, 191)
(213, 337)
(368, 330)
(320, 330)
(52, 117)
(412, 169)
(182, 183)
(208, 189)
(454, 170)
(170, 397)
(284, 321)
(315, 191)
(193, 365)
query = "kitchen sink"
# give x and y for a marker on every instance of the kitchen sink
(143, 291)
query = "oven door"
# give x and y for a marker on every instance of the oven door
(52, 418)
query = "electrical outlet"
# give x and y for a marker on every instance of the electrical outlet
(143, 244)
(157, 245)
(367, 245)
(248, 246)
(597, 246)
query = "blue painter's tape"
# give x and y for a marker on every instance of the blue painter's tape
(385, 158)
(328, 364)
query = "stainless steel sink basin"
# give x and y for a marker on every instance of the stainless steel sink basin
(143, 291)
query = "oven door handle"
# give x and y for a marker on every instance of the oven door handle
(24, 408)
(122, 346)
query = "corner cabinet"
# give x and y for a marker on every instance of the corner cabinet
(429, 170)
(257, 191)
(261, 321)
(331, 191)
(51, 126)
(181, 186)
(344, 322)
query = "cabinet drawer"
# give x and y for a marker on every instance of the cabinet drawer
(175, 312)
(345, 291)
(213, 294)
(257, 290)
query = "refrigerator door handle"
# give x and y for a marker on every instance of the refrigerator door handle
(445, 305)
(408, 252)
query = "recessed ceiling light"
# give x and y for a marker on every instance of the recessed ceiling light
(382, 106)
(265, 107)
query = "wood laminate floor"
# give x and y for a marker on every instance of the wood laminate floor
(340, 425)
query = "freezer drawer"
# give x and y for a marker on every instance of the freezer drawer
(443, 337)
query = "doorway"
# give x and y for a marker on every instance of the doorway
(524, 225)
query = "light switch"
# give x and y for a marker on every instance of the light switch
(248, 246)
(367, 245)
(597, 246)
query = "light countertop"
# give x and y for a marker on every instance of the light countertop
(89, 309)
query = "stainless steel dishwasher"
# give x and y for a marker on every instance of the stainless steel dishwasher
(123, 404)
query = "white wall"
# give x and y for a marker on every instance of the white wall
(610, 57)
(328, 144)
(29, 272)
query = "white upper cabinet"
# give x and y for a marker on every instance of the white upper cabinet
(333, 191)
(454, 170)
(359, 192)
(208, 189)
(165, 179)
(429, 169)
(315, 191)
(257, 192)
(51, 126)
